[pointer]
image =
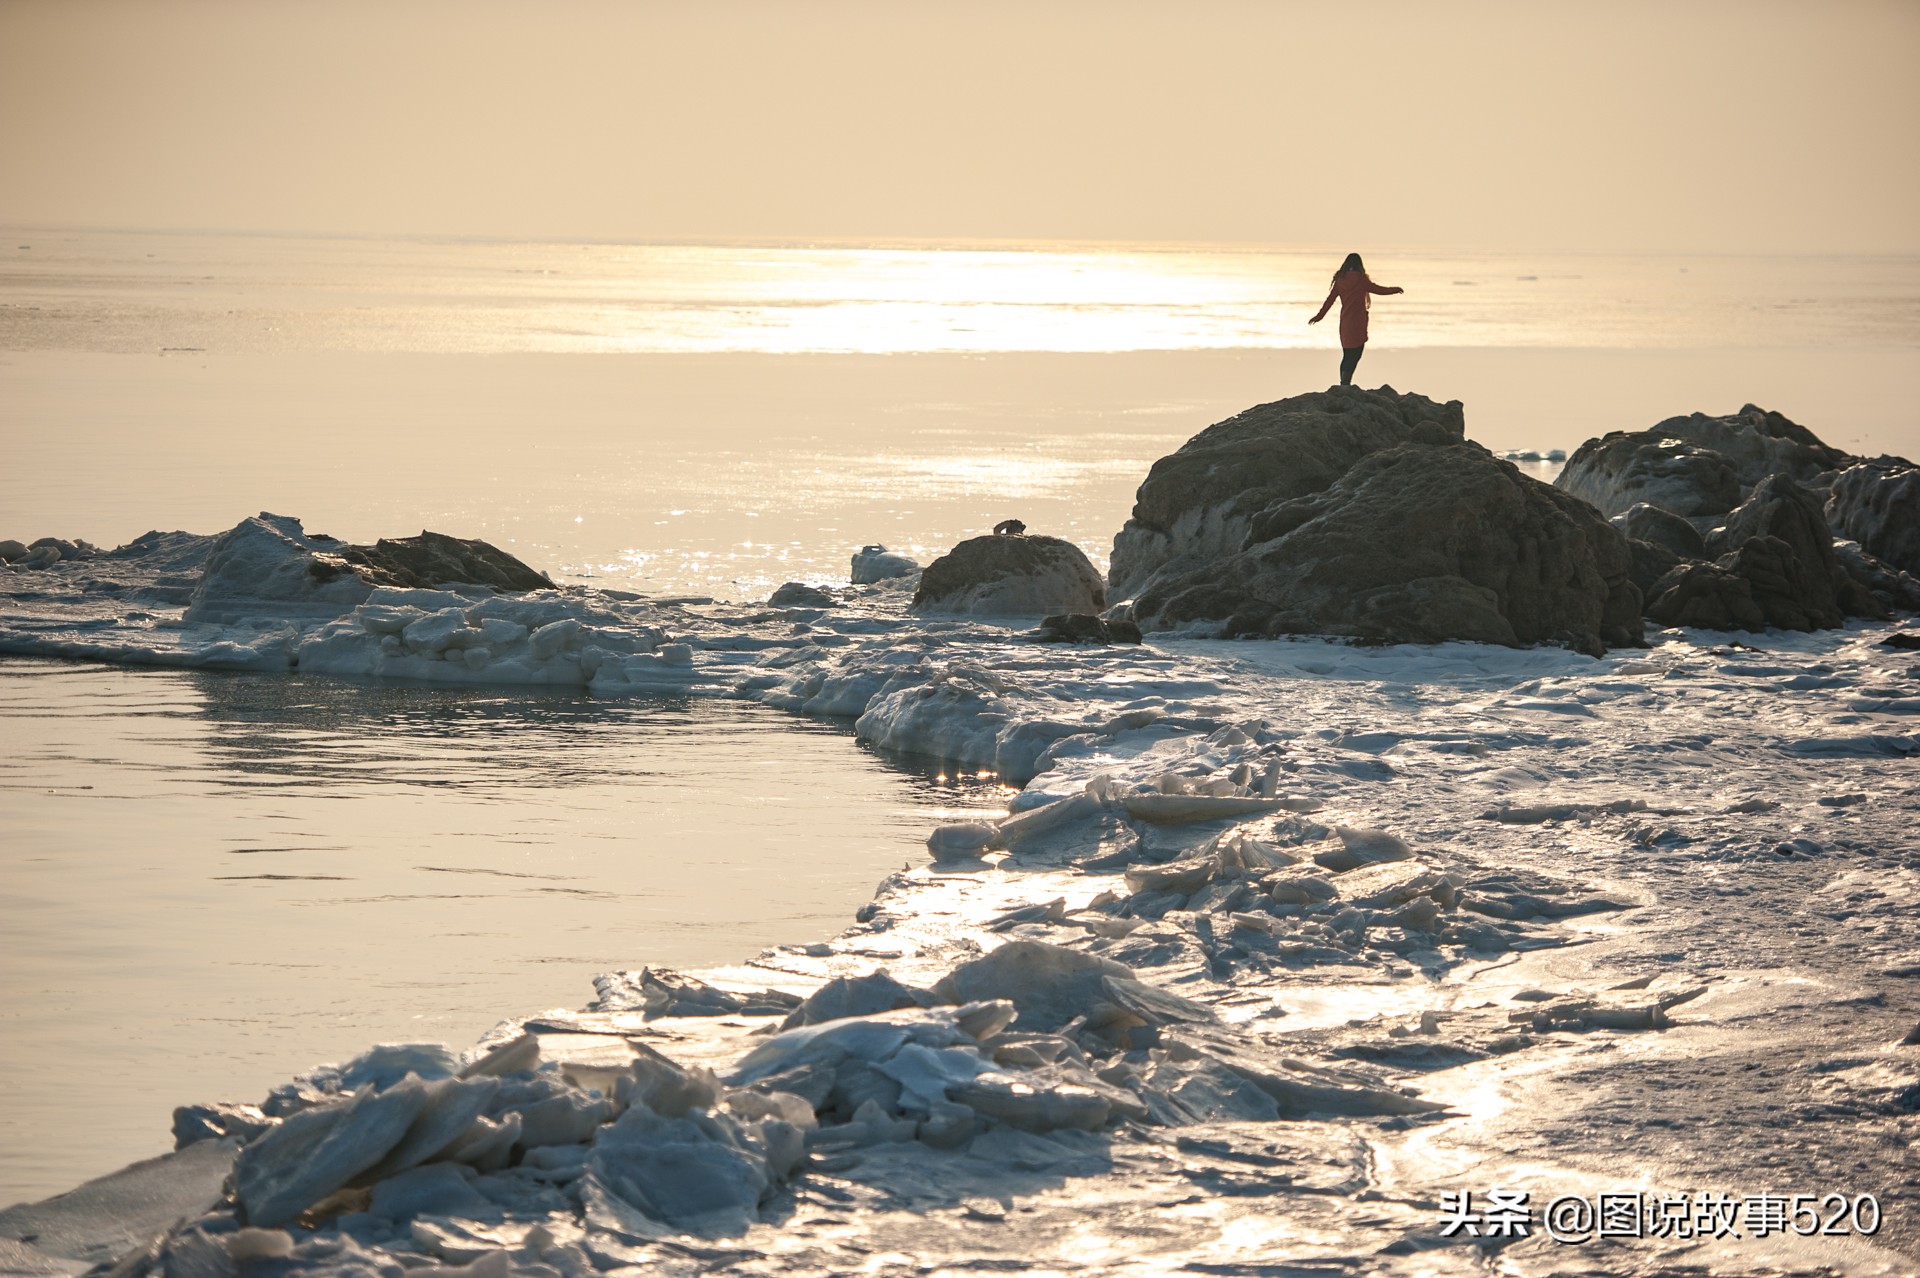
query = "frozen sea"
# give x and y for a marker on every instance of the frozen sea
(710, 421)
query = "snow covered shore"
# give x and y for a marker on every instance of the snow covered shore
(1283, 941)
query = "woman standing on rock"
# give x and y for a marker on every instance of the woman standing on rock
(1351, 286)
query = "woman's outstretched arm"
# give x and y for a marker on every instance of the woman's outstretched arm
(1331, 294)
(1379, 288)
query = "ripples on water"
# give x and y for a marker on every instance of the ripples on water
(211, 881)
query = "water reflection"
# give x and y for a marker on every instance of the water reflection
(212, 880)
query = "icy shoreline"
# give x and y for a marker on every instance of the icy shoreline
(1468, 877)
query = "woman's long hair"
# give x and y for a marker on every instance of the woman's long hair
(1352, 263)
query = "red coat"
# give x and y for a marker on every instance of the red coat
(1352, 288)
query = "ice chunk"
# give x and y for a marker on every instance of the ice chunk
(696, 1173)
(319, 1150)
(439, 1189)
(855, 996)
(1050, 986)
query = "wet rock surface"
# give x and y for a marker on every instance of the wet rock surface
(270, 563)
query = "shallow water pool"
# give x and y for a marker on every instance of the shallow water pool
(211, 881)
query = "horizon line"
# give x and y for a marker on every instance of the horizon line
(931, 243)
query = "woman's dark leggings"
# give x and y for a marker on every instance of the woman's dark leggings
(1349, 360)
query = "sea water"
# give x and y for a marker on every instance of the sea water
(211, 881)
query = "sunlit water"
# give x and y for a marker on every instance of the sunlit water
(69, 290)
(211, 881)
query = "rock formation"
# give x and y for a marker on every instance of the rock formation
(1197, 504)
(430, 561)
(1775, 566)
(272, 559)
(1011, 575)
(1771, 561)
(1368, 514)
(1695, 465)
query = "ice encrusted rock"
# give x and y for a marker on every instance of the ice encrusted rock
(195, 1123)
(1877, 503)
(1011, 575)
(1623, 469)
(963, 712)
(876, 563)
(1367, 514)
(1695, 465)
(1080, 627)
(270, 565)
(261, 567)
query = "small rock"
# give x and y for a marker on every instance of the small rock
(795, 594)
(1012, 576)
(985, 1209)
(1080, 627)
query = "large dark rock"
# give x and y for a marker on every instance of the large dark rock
(1198, 504)
(1419, 538)
(1775, 567)
(430, 560)
(1011, 575)
(1877, 503)
(1760, 585)
(1695, 465)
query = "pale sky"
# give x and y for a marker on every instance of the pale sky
(1676, 125)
